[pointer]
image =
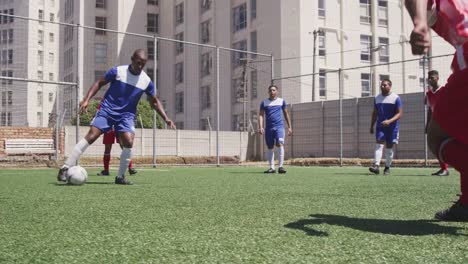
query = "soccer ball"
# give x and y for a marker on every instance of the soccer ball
(77, 175)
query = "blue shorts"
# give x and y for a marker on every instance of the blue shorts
(390, 136)
(274, 135)
(120, 124)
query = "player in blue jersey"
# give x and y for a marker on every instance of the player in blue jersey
(117, 110)
(387, 112)
(272, 110)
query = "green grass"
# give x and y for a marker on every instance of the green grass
(231, 215)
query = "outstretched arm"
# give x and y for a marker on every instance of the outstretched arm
(156, 104)
(92, 92)
(420, 38)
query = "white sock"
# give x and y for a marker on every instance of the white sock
(378, 154)
(280, 153)
(125, 158)
(388, 157)
(271, 158)
(74, 156)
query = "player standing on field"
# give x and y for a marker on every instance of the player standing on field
(387, 112)
(447, 133)
(117, 110)
(433, 79)
(272, 110)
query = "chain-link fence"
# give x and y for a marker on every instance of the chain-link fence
(210, 92)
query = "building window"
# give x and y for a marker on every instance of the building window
(51, 97)
(51, 17)
(205, 123)
(152, 2)
(239, 17)
(236, 122)
(39, 98)
(99, 74)
(150, 48)
(51, 76)
(365, 11)
(179, 72)
(10, 35)
(253, 9)
(366, 42)
(51, 58)
(39, 119)
(238, 56)
(68, 58)
(206, 64)
(253, 43)
(10, 56)
(101, 22)
(69, 8)
(7, 74)
(4, 56)
(40, 37)
(365, 85)
(253, 83)
(68, 34)
(383, 13)
(179, 46)
(5, 119)
(10, 98)
(238, 90)
(101, 4)
(179, 102)
(321, 8)
(12, 12)
(51, 37)
(100, 53)
(40, 15)
(40, 75)
(152, 23)
(179, 14)
(40, 57)
(205, 5)
(322, 83)
(384, 55)
(321, 43)
(205, 97)
(205, 31)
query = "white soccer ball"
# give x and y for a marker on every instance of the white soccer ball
(77, 175)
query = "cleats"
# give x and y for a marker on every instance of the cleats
(103, 173)
(456, 213)
(122, 181)
(132, 171)
(62, 174)
(270, 170)
(441, 172)
(386, 171)
(374, 169)
(281, 170)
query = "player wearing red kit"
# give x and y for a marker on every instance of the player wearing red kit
(448, 127)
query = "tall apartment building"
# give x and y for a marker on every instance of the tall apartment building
(28, 50)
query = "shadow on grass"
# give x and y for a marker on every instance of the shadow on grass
(247, 172)
(382, 226)
(71, 185)
(377, 175)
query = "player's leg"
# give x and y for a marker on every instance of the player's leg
(131, 170)
(453, 152)
(270, 142)
(391, 138)
(93, 133)
(379, 145)
(108, 140)
(279, 139)
(125, 133)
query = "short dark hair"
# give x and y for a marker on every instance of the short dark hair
(433, 72)
(387, 80)
(273, 85)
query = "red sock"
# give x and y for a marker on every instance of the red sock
(455, 154)
(106, 161)
(443, 165)
(130, 165)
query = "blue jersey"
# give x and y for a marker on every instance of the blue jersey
(387, 107)
(273, 112)
(125, 91)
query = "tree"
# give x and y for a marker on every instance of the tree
(87, 117)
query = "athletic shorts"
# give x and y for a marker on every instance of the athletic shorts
(390, 136)
(450, 106)
(274, 136)
(109, 138)
(120, 124)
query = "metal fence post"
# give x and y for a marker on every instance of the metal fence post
(340, 86)
(78, 86)
(217, 107)
(424, 58)
(155, 79)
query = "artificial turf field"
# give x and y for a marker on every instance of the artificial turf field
(231, 215)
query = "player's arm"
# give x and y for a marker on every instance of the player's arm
(157, 105)
(288, 120)
(398, 114)
(420, 38)
(97, 85)
(373, 120)
(429, 116)
(261, 116)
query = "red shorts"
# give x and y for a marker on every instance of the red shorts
(109, 138)
(450, 106)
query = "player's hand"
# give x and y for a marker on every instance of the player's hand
(420, 39)
(289, 131)
(372, 130)
(385, 123)
(261, 131)
(83, 106)
(171, 124)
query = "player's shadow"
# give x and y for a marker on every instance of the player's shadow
(71, 185)
(382, 226)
